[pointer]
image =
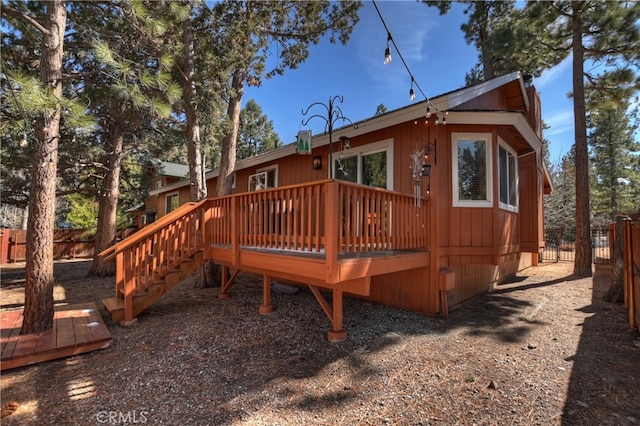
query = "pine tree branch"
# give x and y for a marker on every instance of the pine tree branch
(25, 18)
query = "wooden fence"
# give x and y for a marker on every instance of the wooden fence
(631, 253)
(67, 244)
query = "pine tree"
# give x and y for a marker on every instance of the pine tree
(613, 148)
(38, 310)
(256, 134)
(595, 31)
(132, 88)
(250, 29)
(489, 29)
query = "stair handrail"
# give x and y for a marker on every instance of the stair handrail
(148, 230)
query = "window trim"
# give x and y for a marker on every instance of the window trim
(515, 207)
(385, 145)
(455, 139)
(265, 170)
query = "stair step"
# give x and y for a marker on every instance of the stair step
(113, 303)
(189, 266)
(174, 277)
(136, 292)
(158, 288)
(145, 298)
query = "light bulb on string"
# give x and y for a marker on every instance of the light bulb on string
(412, 93)
(387, 51)
(428, 112)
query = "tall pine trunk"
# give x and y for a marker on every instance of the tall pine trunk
(196, 163)
(108, 204)
(230, 141)
(38, 305)
(582, 265)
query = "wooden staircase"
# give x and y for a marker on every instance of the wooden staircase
(155, 259)
(142, 299)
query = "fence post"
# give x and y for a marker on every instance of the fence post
(4, 249)
(629, 288)
(616, 292)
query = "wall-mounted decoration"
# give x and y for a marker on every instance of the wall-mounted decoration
(303, 144)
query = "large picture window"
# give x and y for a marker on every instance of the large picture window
(472, 172)
(369, 165)
(508, 174)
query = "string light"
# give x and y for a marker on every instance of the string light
(387, 51)
(412, 93)
(387, 60)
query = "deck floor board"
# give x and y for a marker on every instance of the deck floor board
(76, 329)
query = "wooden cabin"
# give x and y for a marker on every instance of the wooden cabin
(162, 174)
(428, 205)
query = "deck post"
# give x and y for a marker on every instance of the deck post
(332, 217)
(337, 333)
(266, 307)
(124, 275)
(224, 284)
(235, 230)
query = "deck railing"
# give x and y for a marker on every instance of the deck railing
(325, 215)
(149, 254)
(328, 218)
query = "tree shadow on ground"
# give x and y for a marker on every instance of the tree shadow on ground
(605, 378)
(500, 313)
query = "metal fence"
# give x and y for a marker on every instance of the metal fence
(558, 249)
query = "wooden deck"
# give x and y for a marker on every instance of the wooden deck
(327, 234)
(76, 329)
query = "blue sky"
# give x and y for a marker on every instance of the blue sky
(435, 51)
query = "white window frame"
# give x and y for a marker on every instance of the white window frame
(456, 138)
(166, 202)
(368, 149)
(264, 171)
(508, 206)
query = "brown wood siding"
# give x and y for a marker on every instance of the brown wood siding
(510, 238)
(472, 279)
(534, 115)
(411, 290)
(508, 97)
(530, 203)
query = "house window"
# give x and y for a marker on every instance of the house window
(159, 184)
(172, 203)
(150, 217)
(472, 175)
(508, 174)
(367, 165)
(265, 178)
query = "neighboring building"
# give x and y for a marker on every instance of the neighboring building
(471, 159)
(162, 175)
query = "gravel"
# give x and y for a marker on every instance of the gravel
(543, 350)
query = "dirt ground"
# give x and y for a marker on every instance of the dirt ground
(544, 349)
